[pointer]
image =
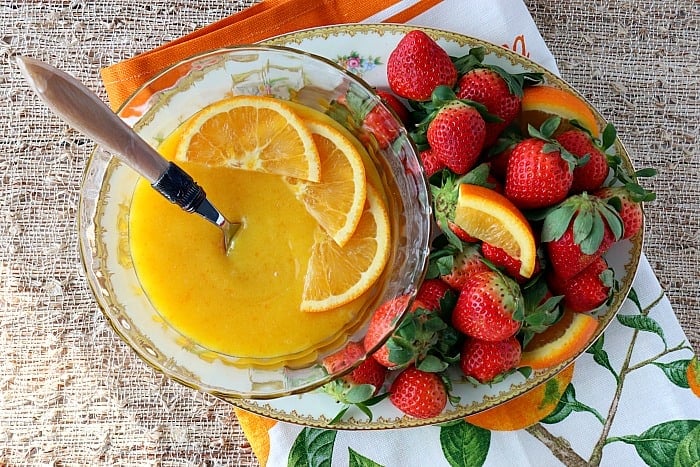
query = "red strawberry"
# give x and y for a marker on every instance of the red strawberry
(499, 162)
(591, 175)
(464, 264)
(417, 66)
(431, 162)
(567, 258)
(489, 307)
(488, 362)
(395, 104)
(537, 176)
(488, 87)
(540, 171)
(503, 260)
(588, 289)
(578, 231)
(368, 372)
(344, 358)
(457, 135)
(381, 324)
(418, 393)
(432, 292)
(415, 336)
(382, 125)
(627, 205)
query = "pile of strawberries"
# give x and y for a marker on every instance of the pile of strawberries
(474, 311)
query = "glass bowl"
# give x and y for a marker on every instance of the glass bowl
(155, 111)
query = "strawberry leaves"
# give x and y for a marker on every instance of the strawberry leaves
(590, 216)
(424, 339)
(515, 81)
(546, 133)
(541, 309)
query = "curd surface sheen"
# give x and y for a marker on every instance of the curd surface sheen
(246, 303)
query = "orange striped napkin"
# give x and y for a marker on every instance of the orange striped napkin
(261, 21)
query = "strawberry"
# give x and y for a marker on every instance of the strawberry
(499, 91)
(368, 372)
(591, 175)
(588, 289)
(456, 134)
(456, 267)
(432, 293)
(417, 66)
(381, 324)
(489, 362)
(499, 154)
(395, 104)
(359, 387)
(502, 260)
(489, 307)
(539, 172)
(578, 231)
(375, 119)
(499, 162)
(382, 125)
(627, 203)
(489, 88)
(431, 162)
(418, 393)
(411, 341)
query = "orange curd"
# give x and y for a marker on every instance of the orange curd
(247, 303)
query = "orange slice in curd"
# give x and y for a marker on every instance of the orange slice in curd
(492, 218)
(254, 133)
(337, 275)
(337, 201)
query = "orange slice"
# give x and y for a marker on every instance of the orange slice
(313, 115)
(693, 375)
(492, 218)
(526, 409)
(560, 342)
(337, 275)
(337, 201)
(253, 133)
(542, 102)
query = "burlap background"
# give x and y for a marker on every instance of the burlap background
(72, 393)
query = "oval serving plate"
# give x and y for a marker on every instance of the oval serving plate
(364, 50)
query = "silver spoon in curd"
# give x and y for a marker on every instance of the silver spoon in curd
(82, 109)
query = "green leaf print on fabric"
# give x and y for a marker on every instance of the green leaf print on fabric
(688, 452)
(657, 446)
(642, 323)
(676, 372)
(358, 460)
(567, 405)
(600, 356)
(464, 445)
(312, 448)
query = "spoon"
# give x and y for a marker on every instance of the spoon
(83, 110)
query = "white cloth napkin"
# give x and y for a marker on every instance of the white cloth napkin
(508, 23)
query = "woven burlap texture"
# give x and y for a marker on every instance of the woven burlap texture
(72, 393)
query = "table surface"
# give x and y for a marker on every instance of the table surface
(71, 392)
